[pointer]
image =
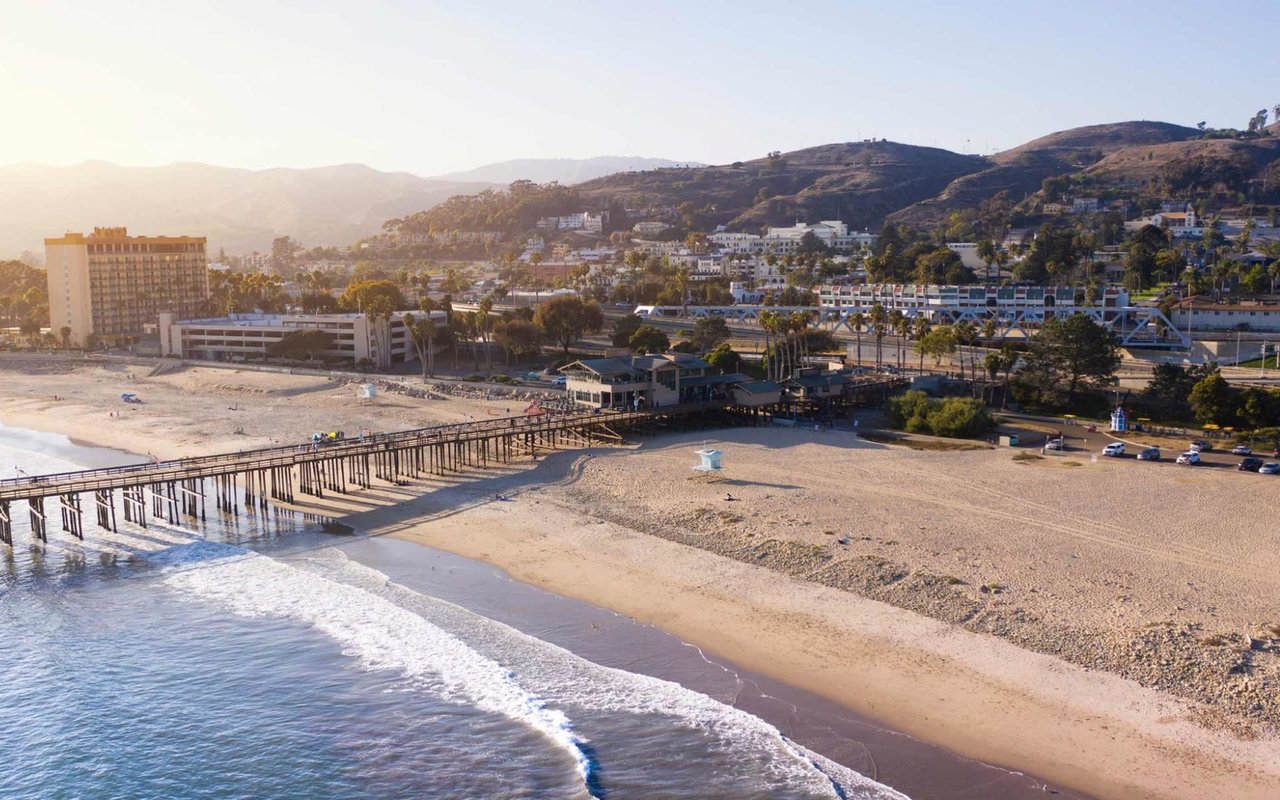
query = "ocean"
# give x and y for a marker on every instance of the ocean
(262, 657)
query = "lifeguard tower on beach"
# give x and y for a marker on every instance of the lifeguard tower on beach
(708, 461)
(1119, 420)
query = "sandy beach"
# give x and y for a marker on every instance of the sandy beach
(1110, 627)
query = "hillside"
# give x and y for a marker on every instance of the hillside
(1237, 161)
(239, 209)
(859, 182)
(1020, 170)
(560, 170)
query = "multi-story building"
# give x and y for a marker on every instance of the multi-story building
(112, 285)
(1014, 310)
(354, 338)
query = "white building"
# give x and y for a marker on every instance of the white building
(650, 228)
(1011, 309)
(1198, 315)
(740, 243)
(242, 337)
(968, 252)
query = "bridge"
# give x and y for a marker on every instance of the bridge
(180, 488)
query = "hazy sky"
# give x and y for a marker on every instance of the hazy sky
(431, 87)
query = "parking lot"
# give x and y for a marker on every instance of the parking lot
(1080, 441)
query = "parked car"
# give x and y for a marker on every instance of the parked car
(1149, 454)
(1114, 449)
(1241, 450)
(1190, 458)
(561, 381)
(1250, 464)
(1056, 444)
(1200, 446)
(1269, 468)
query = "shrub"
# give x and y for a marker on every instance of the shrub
(905, 407)
(954, 417)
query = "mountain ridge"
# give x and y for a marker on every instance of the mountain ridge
(561, 170)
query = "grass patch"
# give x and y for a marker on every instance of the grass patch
(880, 437)
(1022, 457)
(952, 580)
(991, 587)
(1072, 464)
(1216, 640)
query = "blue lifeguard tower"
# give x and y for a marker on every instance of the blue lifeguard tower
(1119, 420)
(709, 460)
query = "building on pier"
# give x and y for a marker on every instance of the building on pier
(354, 338)
(112, 285)
(651, 381)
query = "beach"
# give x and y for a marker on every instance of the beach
(1100, 625)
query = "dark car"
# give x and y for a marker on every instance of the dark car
(1249, 464)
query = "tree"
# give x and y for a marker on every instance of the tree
(879, 320)
(299, 343)
(999, 362)
(941, 265)
(708, 333)
(423, 333)
(858, 321)
(987, 252)
(360, 294)
(517, 337)
(65, 333)
(1211, 398)
(648, 339)
(1076, 351)
(939, 342)
(1258, 408)
(1170, 383)
(724, 358)
(283, 252)
(566, 319)
(624, 329)
(484, 325)
(318, 303)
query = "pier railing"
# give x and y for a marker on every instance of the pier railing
(288, 455)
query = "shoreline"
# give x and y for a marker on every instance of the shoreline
(974, 694)
(807, 718)
(572, 530)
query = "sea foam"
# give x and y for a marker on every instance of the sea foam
(379, 634)
(565, 679)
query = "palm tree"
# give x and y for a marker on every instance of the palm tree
(966, 336)
(922, 327)
(901, 327)
(859, 321)
(878, 319)
(65, 332)
(767, 324)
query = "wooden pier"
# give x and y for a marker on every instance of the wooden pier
(250, 480)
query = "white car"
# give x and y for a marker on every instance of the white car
(1114, 449)
(1056, 444)
(1190, 458)
(1241, 450)
(561, 381)
(1269, 468)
